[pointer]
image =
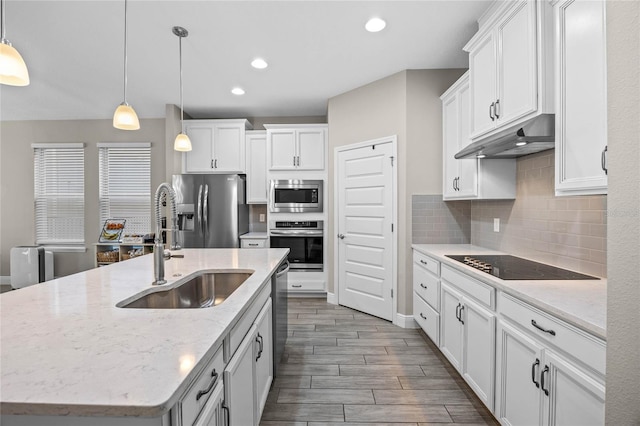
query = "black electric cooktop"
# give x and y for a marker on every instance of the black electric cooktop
(508, 267)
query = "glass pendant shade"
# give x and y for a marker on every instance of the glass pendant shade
(182, 143)
(125, 118)
(13, 70)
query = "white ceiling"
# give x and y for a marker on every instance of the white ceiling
(315, 50)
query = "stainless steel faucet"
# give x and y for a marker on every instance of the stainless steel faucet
(158, 247)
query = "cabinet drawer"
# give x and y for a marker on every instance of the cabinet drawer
(196, 397)
(426, 262)
(307, 285)
(427, 286)
(581, 345)
(427, 318)
(253, 243)
(240, 329)
(483, 293)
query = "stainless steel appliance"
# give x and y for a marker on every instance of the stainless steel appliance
(296, 196)
(212, 210)
(305, 241)
(508, 267)
(280, 313)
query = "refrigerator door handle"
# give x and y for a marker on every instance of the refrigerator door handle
(199, 208)
(205, 209)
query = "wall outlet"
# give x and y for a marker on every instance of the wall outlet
(496, 224)
(262, 217)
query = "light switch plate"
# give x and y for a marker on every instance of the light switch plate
(262, 217)
(496, 224)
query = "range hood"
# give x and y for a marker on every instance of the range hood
(534, 135)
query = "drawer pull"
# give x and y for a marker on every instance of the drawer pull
(422, 316)
(423, 286)
(535, 324)
(296, 285)
(546, 370)
(533, 372)
(213, 382)
(424, 262)
(253, 245)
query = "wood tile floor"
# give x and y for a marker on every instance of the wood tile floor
(344, 367)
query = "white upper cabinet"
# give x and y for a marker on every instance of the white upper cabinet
(218, 146)
(296, 147)
(469, 179)
(510, 61)
(581, 97)
(257, 167)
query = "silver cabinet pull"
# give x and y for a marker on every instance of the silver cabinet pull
(493, 104)
(535, 324)
(496, 108)
(603, 160)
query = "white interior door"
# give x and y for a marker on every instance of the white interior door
(365, 246)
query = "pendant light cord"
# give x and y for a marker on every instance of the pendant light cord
(125, 52)
(181, 102)
(4, 27)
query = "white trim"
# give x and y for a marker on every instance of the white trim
(332, 298)
(58, 145)
(5, 279)
(405, 321)
(65, 249)
(393, 139)
(123, 144)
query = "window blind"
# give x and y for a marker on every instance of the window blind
(59, 193)
(125, 185)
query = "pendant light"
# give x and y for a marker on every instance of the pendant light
(125, 118)
(13, 70)
(182, 142)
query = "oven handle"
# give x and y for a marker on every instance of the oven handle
(296, 233)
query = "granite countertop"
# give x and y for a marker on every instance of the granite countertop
(66, 349)
(582, 303)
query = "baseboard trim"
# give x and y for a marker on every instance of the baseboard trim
(331, 298)
(405, 321)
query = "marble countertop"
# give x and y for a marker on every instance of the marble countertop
(66, 349)
(255, 235)
(582, 303)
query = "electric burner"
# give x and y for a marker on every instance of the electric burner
(508, 267)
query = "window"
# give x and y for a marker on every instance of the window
(125, 184)
(59, 193)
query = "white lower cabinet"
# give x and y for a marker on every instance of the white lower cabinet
(249, 373)
(536, 382)
(450, 325)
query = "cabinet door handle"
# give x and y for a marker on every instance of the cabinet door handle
(208, 389)
(535, 324)
(453, 183)
(422, 316)
(294, 161)
(261, 346)
(496, 108)
(298, 161)
(296, 285)
(212, 163)
(603, 160)
(458, 312)
(423, 286)
(533, 372)
(493, 104)
(546, 370)
(461, 309)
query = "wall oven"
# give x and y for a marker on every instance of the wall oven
(296, 196)
(304, 239)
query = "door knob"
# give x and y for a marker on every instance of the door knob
(341, 236)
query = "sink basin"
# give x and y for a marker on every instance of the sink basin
(203, 291)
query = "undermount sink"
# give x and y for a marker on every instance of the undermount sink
(202, 291)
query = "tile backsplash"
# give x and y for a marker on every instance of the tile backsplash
(437, 222)
(569, 232)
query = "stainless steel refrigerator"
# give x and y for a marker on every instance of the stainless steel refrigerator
(212, 210)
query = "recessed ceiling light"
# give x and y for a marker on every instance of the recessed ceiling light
(374, 25)
(237, 91)
(480, 156)
(259, 63)
(521, 143)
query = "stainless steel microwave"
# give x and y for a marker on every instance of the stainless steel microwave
(296, 196)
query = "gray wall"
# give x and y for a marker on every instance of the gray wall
(407, 105)
(16, 193)
(623, 294)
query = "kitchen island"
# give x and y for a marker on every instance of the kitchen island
(67, 350)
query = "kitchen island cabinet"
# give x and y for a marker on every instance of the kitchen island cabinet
(67, 350)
